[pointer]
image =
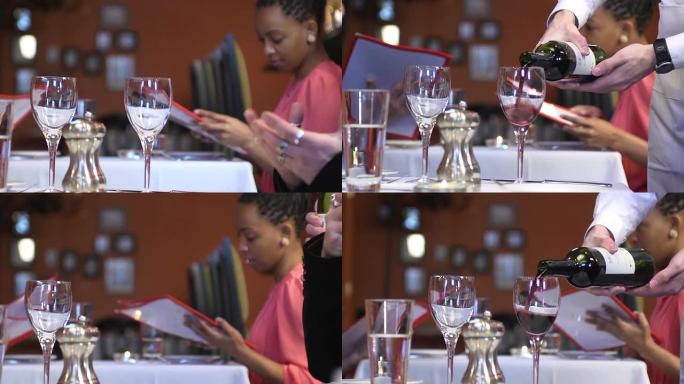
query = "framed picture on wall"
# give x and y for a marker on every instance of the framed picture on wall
(23, 80)
(491, 239)
(22, 252)
(51, 258)
(103, 41)
(441, 253)
(92, 267)
(113, 16)
(482, 261)
(457, 50)
(20, 279)
(69, 261)
(417, 41)
(483, 62)
(113, 219)
(23, 49)
(507, 268)
(434, 43)
(118, 69)
(126, 40)
(414, 281)
(124, 243)
(502, 215)
(515, 239)
(477, 9)
(459, 256)
(71, 56)
(103, 243)
(119, 273)
(93, 63)
(52, 54)
(490, 30)
(466, 30)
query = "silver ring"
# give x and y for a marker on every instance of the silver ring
(298, 136)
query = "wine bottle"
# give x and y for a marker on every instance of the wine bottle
(563, 60)
(586, 267)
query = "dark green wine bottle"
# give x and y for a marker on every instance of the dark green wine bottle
(596, 267)
(562, 60)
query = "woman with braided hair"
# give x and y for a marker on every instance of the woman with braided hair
(617, 24)
(269, 226)
(292, 33)
(661, 233)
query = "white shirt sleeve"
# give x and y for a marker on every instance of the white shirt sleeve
(583, 9)
(675, 45)
(621, 212)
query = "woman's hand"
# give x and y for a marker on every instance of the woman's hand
(587, 111)
(225, 337)
(228, 130)
(594, 131)
(637, 334)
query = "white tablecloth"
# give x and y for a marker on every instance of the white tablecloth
(393, 184)
(552, 370)
(127, 174)
(109, 372)
(564, 165)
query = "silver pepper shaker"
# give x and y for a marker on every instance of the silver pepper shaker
(84, 136)
(482, 335)
(77, 340)
(453, 127)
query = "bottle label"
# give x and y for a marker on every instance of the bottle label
(618, 263)
(583, 64)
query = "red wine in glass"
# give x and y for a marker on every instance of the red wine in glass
(536, 320)
(523, 112)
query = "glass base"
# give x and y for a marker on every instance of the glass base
(442, 186)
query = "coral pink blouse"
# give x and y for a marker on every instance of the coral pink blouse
(665, 323)
(320, 95)
(632, 115)
(278, 331)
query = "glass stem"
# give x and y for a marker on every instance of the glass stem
(520, 136)
(535, 343)
(147, 145)
(52, 144)
(450, 341)
(425, 133)
(46, 344)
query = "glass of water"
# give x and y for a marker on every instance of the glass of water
(152, 342)
(427, 91)
(48, 305)
(365, 121)
(389, 339)
(5, 140)
(452, 299)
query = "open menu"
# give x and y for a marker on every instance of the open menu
(17, 326)
(554, 112)
(21, 107)
(165, 313)
(571, 319)
(189, 119)
(375, 64)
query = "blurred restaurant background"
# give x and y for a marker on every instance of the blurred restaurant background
(395, 242)
(102, 43)
(114, 247)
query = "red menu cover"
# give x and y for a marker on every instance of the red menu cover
(373, 61)
(554, 112)
(571, 319)
(21, 107)
(165, 313)
(189, 119)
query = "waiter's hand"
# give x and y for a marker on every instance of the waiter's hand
(637, 334)
(600, 236)
(315, 224)
(669, 281)
(332, 242)
(563, 28)
(618, 72)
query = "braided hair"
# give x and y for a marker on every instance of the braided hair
(300, 10)
(279, 207)
(640, 10)
(671, 203)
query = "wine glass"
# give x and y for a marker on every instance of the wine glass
(536, 301)
(521, 93)
(48, 305)
(451, 299)
(427, 95)
(53, 102)
(148, 105)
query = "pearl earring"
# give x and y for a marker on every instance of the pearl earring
(311, 39)
(285, 242)
(623, 39)
(673, 234)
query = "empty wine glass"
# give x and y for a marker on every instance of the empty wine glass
(53, 102)
(148, 105)
(536, 301)
(48, 305)
(451, 299)
(521, 92)
(427, 95)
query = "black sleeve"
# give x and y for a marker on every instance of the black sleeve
(322, 310)
(329, 179)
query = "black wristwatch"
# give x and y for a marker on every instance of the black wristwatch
(663, 58)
